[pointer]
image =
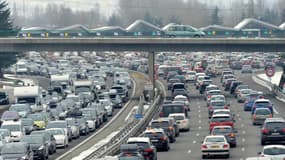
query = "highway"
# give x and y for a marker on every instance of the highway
(188, 144)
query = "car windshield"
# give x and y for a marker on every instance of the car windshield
(221, 103)
(13, 148)
(215, 139)
(82, 89)
(274, 125)
(57, 125)
(33, 139)
(274, 151)
(36, 117)
(4, 133)
(162, 124)
(221, 119)
(178, 117)
(142, 144)
(27, 122)
(262, 103)
(12, 127)
(56, 132)
(223, 131)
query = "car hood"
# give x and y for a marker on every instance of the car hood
(58, 137)
(12, 156)
(35, 146)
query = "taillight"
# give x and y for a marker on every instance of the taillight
(270, 116)
(204, 146)
(160, 114)
(254, 117)
(226, 107)
(164, 138)
(170, 128)
(210, 108)
(209, 96)
(283, 130)
(232, 135)
(225, 146)
(265, 131)
(148, 150)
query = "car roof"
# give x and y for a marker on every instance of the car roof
(219, 95)
(151, 130)
(216, 90)
(225, 126)
(258, 158)
(273, 146)
(262, 100)
(139, 139)
(275, 119)
(176, 114)
(219, 110)
(180, 96)
(215, 136)
(221, 115)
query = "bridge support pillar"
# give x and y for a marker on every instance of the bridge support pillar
(151, 73)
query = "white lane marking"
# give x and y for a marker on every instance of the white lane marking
(198, 134)
(194, 142)
(200, 121)
(199, 111)
(199, 107)
(238, 115)
(243, 149)
(239, 119)
(243, 132)
(200, 127)
(189, 151)
(275, 111)
(199, 116)
(243, 140)
(241, 159)
(242, 125)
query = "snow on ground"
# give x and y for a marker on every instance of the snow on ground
(275, 79)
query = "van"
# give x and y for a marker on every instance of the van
(173, 108)
(16, 128)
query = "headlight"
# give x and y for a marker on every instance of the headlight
(24, 157)
(41, 148)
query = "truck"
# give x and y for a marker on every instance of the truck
(29, 95)
(62, 80)
(86, 90)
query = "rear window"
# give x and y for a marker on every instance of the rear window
(154, 134)
(262, 112)
(142, 144)
(274, 125)
(221, 119)
(218, 103)
(262, 103)
(221, 130)
(162, 124)
(166, 110)
(274, 151)
(216, 139)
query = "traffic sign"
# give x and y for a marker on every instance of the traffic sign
(270, 71)
(148, 86)
(138, 116)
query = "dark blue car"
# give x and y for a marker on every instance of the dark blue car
(250, 100)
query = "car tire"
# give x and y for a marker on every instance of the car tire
(204, 156)
(262, 142)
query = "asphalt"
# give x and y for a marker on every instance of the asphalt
(188, 144)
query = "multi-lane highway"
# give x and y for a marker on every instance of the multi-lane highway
(188, 144)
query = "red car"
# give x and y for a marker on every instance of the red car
(221, 120)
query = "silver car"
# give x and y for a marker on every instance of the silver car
(242, 94)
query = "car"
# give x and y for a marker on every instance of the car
(215, 145)
(246, 69)
(211, 87)
(74, 126)
(38, 145)
(10, 116)
(182, 122)
(130, 151)
(5, 135)
(148, 149)
(181, 78)
(171, 82)
(4, 98)
(83, 126)
(215, 98)
(228, 83)
(250, 99)
(260, 114)
(221, 120)
(242, 94)
(190, 76)
(49, 140)
(228, 132)
(177, 30)
(61, 124)
(225, 77)
(203, 85)
(173, 108)
(91, 122)
(273, 130)
(16, 128)
(158, 138)
(61, 139)
(211, 93)
(166, 125)
(177, 92)
(17, 150)
(40, 120)
(234, 85)
(262, 103)
(272, 151)
(22, 109)
(240, 87)
(216, 104)
(181, 98)
(28, 125)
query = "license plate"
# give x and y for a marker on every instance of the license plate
(215, 146)
(275, 134)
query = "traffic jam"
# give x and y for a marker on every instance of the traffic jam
(75, 95)
(212, 80)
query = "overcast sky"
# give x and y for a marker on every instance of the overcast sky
(107, 6)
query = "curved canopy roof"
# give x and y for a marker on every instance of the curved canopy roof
(282, 26)
(251, 23)
(218, 28)
(141, 25)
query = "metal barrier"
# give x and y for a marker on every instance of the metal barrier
(131, 129)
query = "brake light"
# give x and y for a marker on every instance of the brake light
(270, 116)
(163, 138)
(148, 150)
(225, 146)
(204, 146)
(265, 131)
(210, 107)
(226, 107)
(160, 114)
(254, 117)
(209, 96)
(170, 128)
(232, 135)
(283, 130)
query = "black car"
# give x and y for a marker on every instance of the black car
(234, 86)
(17, 150)
(273, 130)
(49, 140)
(83, 126)
(4, 99)
(28, 124)
(167, 126)
(38, 145)
(158, 138)
(171, 82)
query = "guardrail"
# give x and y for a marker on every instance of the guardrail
(272, 87)
(131, 129)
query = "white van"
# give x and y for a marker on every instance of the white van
(16, 128)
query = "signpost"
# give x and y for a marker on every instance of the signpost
(270, 71)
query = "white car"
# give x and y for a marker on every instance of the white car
(215, 98)
(273, 150)
(61, 138)
(242, 94)
(182, 121)
(215, 146)
(190, 76)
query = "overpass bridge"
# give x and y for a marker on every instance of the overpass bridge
(143, 44)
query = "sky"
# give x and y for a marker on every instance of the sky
(107, 6)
